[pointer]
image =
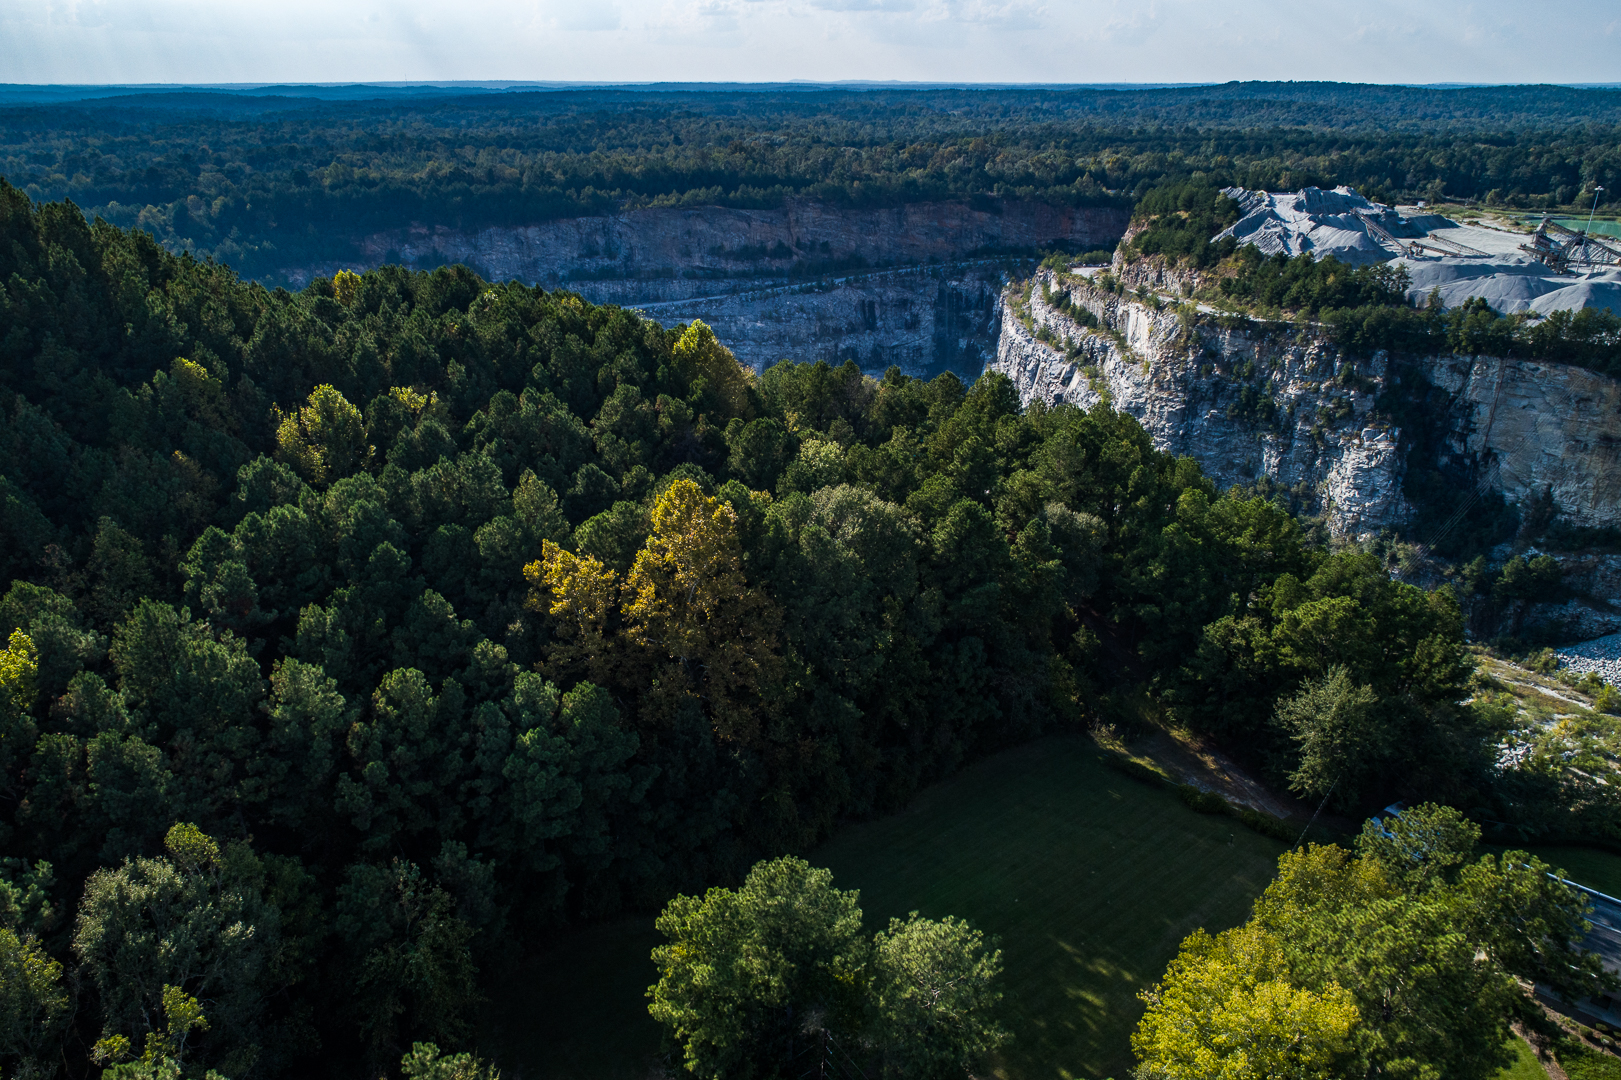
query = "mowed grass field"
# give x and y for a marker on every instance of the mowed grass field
(1586, 866)
(1088, 878)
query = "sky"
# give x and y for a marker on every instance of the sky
(957, 41)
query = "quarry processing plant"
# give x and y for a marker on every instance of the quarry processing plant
(1554, 269)
(1562, 249)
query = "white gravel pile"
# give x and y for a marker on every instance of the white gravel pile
(1321, 222)
(1336, 223)
(1509, 285)
(1595, 291)
(1601, 656)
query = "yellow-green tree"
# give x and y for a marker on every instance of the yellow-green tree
(689, 607)
(19, 664)
(713, 369)
(417, 403)
(1402, 958)
(203, 393)
(33, 1005)
(325, 440)
(346, 287)
(683, 625)
(1226, 1010)
(19, 668)
(581, 594)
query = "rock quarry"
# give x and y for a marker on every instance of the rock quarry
(1279, 401)
(926, 287)
(915, 286)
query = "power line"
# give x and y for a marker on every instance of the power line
(1319, 810)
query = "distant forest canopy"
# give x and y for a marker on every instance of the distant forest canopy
(266, 183)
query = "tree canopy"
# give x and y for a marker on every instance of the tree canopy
(1400, 958)
(756, 982)
(408, 618)
(270, 183)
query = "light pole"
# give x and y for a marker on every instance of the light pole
(1588, 231)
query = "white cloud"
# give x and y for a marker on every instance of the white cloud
(1043, 41)
(589, 17)
(893, 6)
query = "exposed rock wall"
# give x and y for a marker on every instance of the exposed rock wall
(674, 250)
(791, 283)
(923, 321)
(1283, 406)
(1548, 428)
(1284, 403)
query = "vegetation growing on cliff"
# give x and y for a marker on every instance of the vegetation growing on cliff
(1178, 221)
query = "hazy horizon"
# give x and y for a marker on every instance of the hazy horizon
(949, 42)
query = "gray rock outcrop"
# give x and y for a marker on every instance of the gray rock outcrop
(916, 285)
(669, 251)
(1548, 429)
(922, 320)
(1281, 401)
(1284, 406)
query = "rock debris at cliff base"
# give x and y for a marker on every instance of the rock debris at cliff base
(1600, 656)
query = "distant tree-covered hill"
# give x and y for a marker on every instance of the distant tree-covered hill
(269, 180)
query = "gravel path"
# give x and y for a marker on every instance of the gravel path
(1601, 655)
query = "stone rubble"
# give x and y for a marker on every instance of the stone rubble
(1312, 221)
(1600, 656)
(1322, 223)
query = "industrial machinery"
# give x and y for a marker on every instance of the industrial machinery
(1565, 250)
(1416, 248)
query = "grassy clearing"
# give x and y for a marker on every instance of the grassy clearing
(1585, 866)
(1090, 879)
(1526, 1066)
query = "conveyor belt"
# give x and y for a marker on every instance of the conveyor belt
(1438, 244)
(1560, 249)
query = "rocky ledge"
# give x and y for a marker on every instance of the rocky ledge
(1245, 405)
(1280, 401)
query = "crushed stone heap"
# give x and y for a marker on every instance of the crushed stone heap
(1510, 284)
(1358, 231)
(1315, 221)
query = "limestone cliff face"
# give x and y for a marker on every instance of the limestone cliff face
(1286, 404)
(909, 286)
(1547, 428)
(674, 253)
(923, 321)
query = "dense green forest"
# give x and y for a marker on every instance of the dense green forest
(266, 183)
(358, 638)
